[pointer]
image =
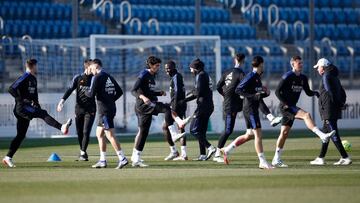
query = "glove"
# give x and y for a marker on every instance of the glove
(316, 93)
(60, 105)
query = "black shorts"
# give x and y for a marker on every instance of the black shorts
(252, 120)
(145, 116)
(29, 112)
(106, 121)
(289, 115)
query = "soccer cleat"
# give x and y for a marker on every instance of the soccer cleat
(65, 126)
(7, 161)
(265, 165)
(318, 161)
(139, 164)
(211, 152)
(225, 155)
(279, 164)
(172, 156)
(181, 158)
(218, 159)
(100, 164)
(83, 157)
(122, 163)
(202, 157)
(325, 139)
(343, 162)
(177, 136)
(276, 121)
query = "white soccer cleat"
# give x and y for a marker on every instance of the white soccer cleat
(181, 158)
(65, 126)
(318, 162)
(276, 121)
(218, 159)
(202, 157)
(265, 165)
(7, 161)
(279, 163)
(139, 164)
(172, 156)
(325, 139)
(211, 152)
(122, 163)
(343, 162)
(100, 164)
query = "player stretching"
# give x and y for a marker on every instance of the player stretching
(205, 106)
(233, 103)
(253, 92)
(177, 93)
(288, 92)
(85, 108)
(107, 91)
(146, 106)
(27, 107)
(331, 101)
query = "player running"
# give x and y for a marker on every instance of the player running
(107, 91)
(27, 107)
(233, 103)
(331, 101)
(205, 106)
(288, 92)
(146, 106)
(85, 108)
(177, 93)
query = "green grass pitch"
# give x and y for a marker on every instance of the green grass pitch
(35, 180)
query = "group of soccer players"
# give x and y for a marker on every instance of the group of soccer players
(241, 92)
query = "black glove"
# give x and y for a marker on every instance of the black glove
(316, 93)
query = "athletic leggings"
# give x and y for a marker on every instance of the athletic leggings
(330, 125)
(198, 128)
(84, 123)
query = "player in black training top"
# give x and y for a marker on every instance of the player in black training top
(27, 107)
(177, 93)
(107, 91)
(253, 91)
(331, 102)
(233, 103)
(288, 92)
(146, 106)
(85, 108)
(205, 106)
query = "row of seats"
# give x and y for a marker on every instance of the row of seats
(226, 31)
(297, 3)
(34, 10)
(153, 2)
(323, 16)
(170, 13)
(51, 29)
(321, 31)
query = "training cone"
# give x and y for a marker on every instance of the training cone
(54, 157)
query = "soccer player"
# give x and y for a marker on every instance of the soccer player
(146, 106)
(177, 93)
(205, 106)
(27, 107)
(233, 103)
(107, 91)
(288, 92)
(85, 108)
(331, 101)
(253, 92)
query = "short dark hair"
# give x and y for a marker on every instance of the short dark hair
(97, 62)
(171, 64)
(87, 62)
(197, 64)
(31, 62)
(257, 60)
(294, 58)
(152, 60)
(240, 57)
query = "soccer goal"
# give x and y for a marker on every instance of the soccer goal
(123, 56)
